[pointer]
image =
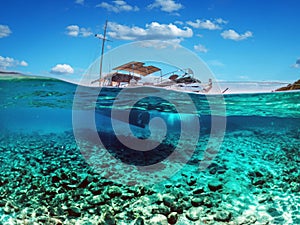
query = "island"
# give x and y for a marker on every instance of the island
(290, 87)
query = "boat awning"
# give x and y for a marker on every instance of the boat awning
(138, 67)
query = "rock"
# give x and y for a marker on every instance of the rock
(114, 191)
(193, 214)
(207, 202)
(139, 221)
(274, 212)
(74, 211)
(258, 181)
(172, 217)
(191, 180)
(96, 190)
(127, 196)
(294, 86)
(84, 183)
(223, 216)
(168, 185)
(158, 219)
(263, 198)
(196, 201)
(160, 209)
(215, 185)
(250, 219)
(169, 200)
(216, 168)
(96, 200)
(109, 219)
(177, 207)
(198, 191)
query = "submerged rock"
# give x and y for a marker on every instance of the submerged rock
(74, 211)
(169, 200)
(215, 185)
(114, 191)
(193, 213)
(139, 221)
(196, 201)
(173, 217)
(223, 216)
(109, 219)
(158, 219)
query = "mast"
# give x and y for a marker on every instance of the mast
(102, 51)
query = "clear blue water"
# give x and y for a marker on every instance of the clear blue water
(261, 135)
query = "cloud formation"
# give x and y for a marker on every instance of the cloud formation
(76, 31)
(200, 48)
(233, 35)
(6, 62)
(152, 31)
(118, 6)
(166, 5)
(80, 2)
(207, 24)
(297, 64)
(61, 69)
(4, 31)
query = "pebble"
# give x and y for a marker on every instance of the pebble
(158, 219)
(223, 216)
(193, 214)
(215, 185)
(196, 201)
(139, 221)
(74, 211)
(172, 217)
(114, 191)
(169, 200)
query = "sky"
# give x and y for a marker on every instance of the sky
(239, 40)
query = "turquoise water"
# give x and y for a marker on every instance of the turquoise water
(238, 160)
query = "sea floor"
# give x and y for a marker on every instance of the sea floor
(254, 179)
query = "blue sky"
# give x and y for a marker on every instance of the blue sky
(238, 39)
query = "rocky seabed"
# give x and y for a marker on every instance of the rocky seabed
(254, 179)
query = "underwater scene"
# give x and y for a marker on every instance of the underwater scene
(86, 155)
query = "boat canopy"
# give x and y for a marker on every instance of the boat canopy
(138, 68)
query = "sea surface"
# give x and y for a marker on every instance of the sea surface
(79, 155)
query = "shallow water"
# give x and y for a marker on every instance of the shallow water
(54, 169)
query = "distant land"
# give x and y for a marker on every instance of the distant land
(290, 87)
(10, 73)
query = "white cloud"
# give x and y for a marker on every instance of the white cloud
(118, 6)
(75, 31)
(6, 62)
(4, 31)
(23, 63)
(85, 32)
(221, 21)
(179, 22)
(166, 5)
(200, 48)
(81, 2)
(233, 35)
(206, 24)
(297, 64)
(160, 44)
(62, 69)
(152, 31)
